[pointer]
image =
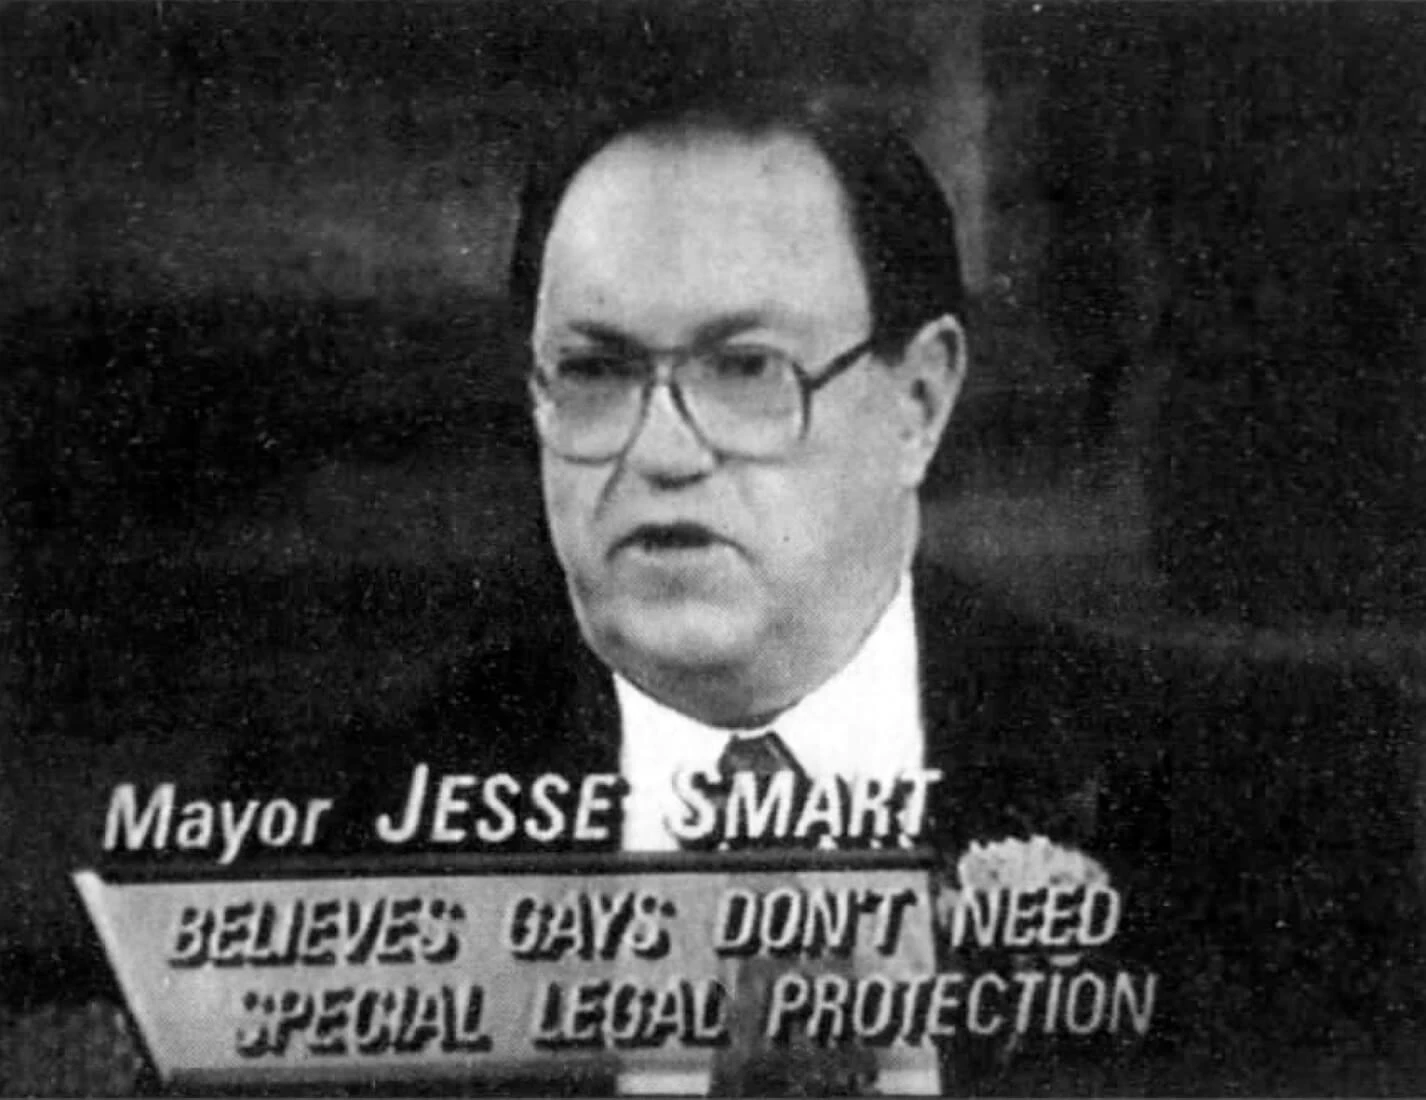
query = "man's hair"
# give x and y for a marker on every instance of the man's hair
(900, 221)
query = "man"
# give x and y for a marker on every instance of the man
(737, 529)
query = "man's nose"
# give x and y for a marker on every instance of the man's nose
(666, 446)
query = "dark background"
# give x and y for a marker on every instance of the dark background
(264, 440)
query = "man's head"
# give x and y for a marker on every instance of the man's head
(730, 538)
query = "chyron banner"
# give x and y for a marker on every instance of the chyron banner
(414, 977)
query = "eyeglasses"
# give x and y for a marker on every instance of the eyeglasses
(743, 401)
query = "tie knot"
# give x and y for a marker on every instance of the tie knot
(764, 755)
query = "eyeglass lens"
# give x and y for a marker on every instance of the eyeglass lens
(747, 403)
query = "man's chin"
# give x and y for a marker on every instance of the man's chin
(687, 635)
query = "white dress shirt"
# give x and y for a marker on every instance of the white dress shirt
(864, 721)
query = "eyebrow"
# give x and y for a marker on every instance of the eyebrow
(709, 332)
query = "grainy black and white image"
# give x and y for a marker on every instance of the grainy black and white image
(717, 547)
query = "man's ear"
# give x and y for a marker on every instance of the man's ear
(930, 375)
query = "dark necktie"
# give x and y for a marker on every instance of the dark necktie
(764, 756)
(749, 1065)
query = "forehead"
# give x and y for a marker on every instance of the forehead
(660, 235)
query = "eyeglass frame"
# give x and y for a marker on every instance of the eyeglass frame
(665, 362)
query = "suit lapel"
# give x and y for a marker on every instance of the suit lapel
(592, 719)
(1003, 720)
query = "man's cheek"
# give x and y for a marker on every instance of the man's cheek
(571, 524)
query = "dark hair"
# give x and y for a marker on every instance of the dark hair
(901, 223)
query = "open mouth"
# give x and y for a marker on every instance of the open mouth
(658, 538)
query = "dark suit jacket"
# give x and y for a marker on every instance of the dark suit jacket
(1258, 820)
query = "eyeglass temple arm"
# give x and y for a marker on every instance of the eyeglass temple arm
(838, 366)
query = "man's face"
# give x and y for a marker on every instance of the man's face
(682, 561)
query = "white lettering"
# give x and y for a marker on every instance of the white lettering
(125, 825)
